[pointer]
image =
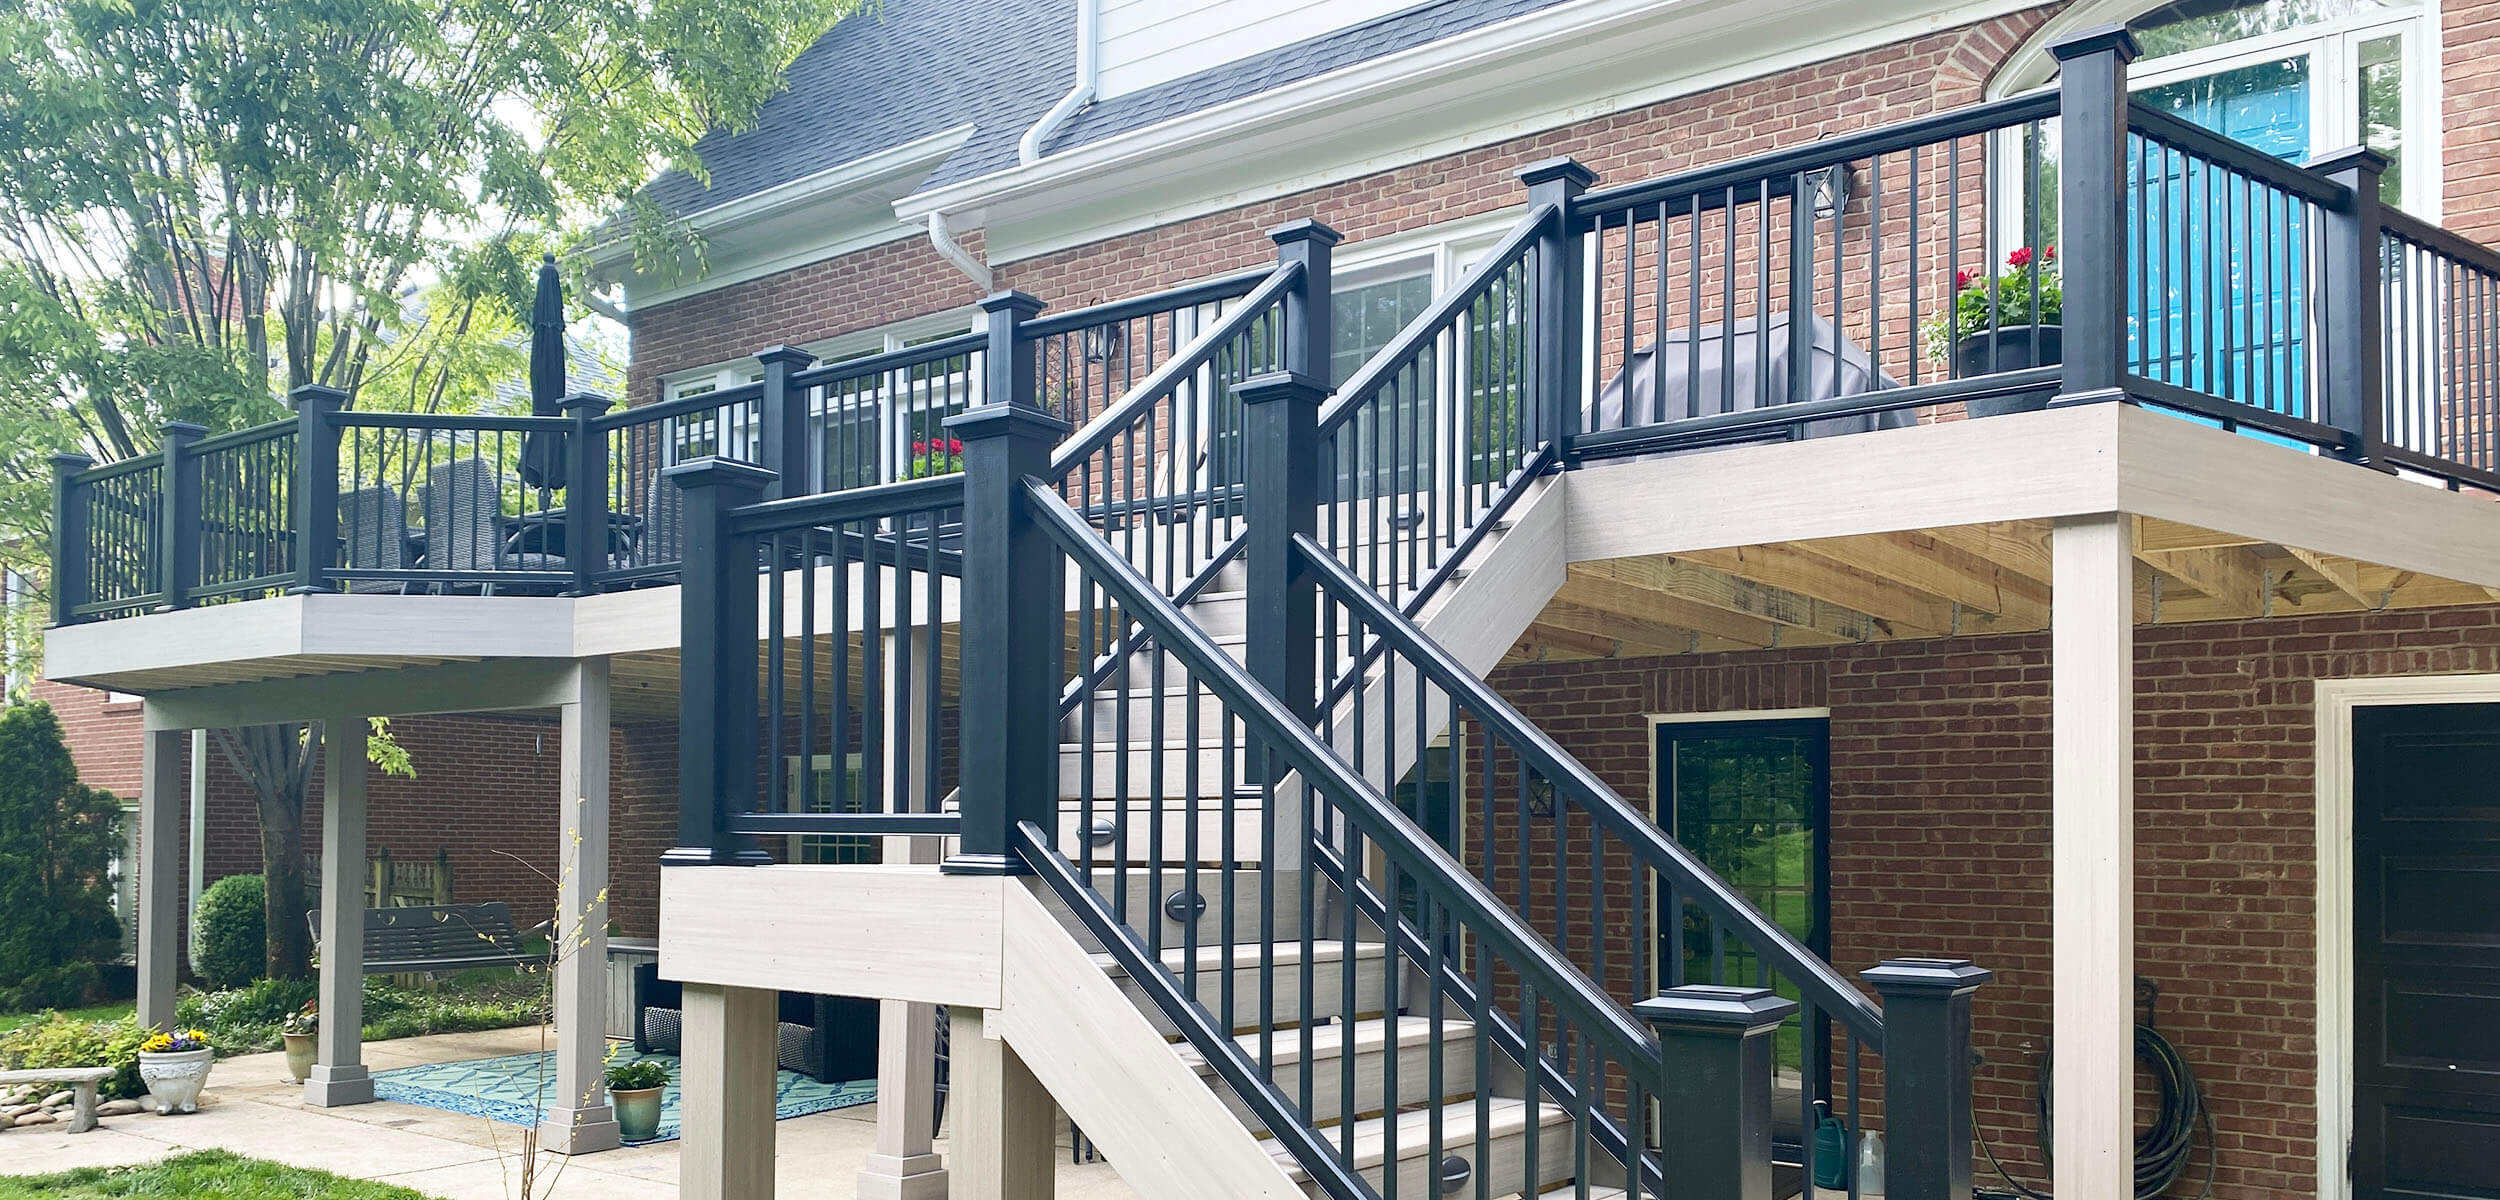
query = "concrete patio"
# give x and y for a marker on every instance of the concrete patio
(251, 1109)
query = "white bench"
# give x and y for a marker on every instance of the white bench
(82, 1081)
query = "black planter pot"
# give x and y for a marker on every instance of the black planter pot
(2007, 348)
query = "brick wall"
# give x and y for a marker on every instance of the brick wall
(103, 736)
(1940, 830)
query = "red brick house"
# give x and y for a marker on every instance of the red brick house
(1833, 669)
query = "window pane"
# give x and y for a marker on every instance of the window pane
(1747, 806)
(2197, 24)
(2263, 104)
(1366, 317)
(2383, 109)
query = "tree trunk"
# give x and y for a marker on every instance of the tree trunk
(276, 760)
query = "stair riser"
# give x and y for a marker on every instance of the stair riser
(1142, 710)
(1458, 1068)
(1164, 773)
(1505, 1160)
(1144, 903)
(1138, 845)
(1328, 993)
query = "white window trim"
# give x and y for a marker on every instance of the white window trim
(2335, 73)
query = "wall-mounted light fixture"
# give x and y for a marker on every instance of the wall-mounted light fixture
(1104, 342)
(1828, 190)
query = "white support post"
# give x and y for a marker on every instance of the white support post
(1005, 1140)
(903, 1166)
(726, 1082)
(197, 878)
(580, 1121)
(2092, 671)
(160, 874)
(339, 1076)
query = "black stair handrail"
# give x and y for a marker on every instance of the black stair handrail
(1420, 332)
(1573, 780)
(1267, 719)
(1159, 385)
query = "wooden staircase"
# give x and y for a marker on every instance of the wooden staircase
(1144, 773)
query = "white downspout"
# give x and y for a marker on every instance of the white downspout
(1029, 148)
(953, 251)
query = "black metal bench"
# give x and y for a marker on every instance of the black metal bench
(438, 937)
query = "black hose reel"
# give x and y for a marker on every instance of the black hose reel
(2163, 1149)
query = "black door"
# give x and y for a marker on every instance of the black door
(2426, 953)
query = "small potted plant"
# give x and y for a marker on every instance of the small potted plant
(636, 1086)
(302, 1031)
(2003, 322)
(934, 456)
(175, 1065)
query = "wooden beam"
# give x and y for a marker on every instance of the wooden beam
(1901, 611)
(2021, 547)
(1590, 586)
(1628, 635)
(2337, 571)
(2231, 576)
(1929, 565)
(2153, 533)
(1744, 607)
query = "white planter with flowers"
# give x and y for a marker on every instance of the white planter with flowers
(175, 1068)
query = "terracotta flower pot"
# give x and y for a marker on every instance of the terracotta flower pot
(638, 1113)
(174, 1079)
(300, 1050)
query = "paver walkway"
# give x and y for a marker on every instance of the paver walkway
(252, 1110)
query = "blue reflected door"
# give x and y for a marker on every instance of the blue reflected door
(2225, 261)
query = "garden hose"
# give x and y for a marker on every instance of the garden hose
(2163, 1150)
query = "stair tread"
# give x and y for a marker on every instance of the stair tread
(1251, 954)
(1503, 1117)
(1571, 1192)
(1326, 1040)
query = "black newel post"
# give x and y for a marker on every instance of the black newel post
(316, 485)
(781, 434)
(585, 492)
(1927, 1119)
(1555, 291)
(178, 537)
(2092, 201)
(1715, 1099)
(1013, 604)
(2354, 393)
(1280, 412)
(70, 534)
(717, 730)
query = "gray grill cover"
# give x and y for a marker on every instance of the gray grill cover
(1688, 395)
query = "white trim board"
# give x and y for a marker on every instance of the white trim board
(1573, 62)
(2335, 700)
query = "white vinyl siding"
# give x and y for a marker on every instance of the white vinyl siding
(1146, 42)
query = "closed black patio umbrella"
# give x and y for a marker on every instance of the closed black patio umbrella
(542, 454)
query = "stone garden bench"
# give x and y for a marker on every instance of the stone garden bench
(82, 1081)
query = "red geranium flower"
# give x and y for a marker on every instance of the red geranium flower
(919, 446)
(2048, 254)
(1961, 279)
(2021, 257)
(954, 445)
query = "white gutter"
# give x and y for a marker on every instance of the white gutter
(953, 251)
(1088, 72)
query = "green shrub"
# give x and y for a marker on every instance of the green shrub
(66, 1042)
(231, 943)
(58, 838)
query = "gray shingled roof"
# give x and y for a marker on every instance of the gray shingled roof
(916, 67)
(897, 71)
(995, 150)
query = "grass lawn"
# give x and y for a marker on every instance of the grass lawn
(101, 1012)
(207, 1175)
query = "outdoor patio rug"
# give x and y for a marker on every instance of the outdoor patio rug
(515, 1088)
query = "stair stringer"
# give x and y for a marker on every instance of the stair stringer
(1477, 618)
(1162, 1128)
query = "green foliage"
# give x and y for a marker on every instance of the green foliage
(205, 204)
(57, 841)
(2027, 276)
(384, 751)
(230, 945)
(204, 1175)
(250, 1019)
(66, 1041)
(637, 1075)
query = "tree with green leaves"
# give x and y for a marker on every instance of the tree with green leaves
(57, 841)
(206, 203)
